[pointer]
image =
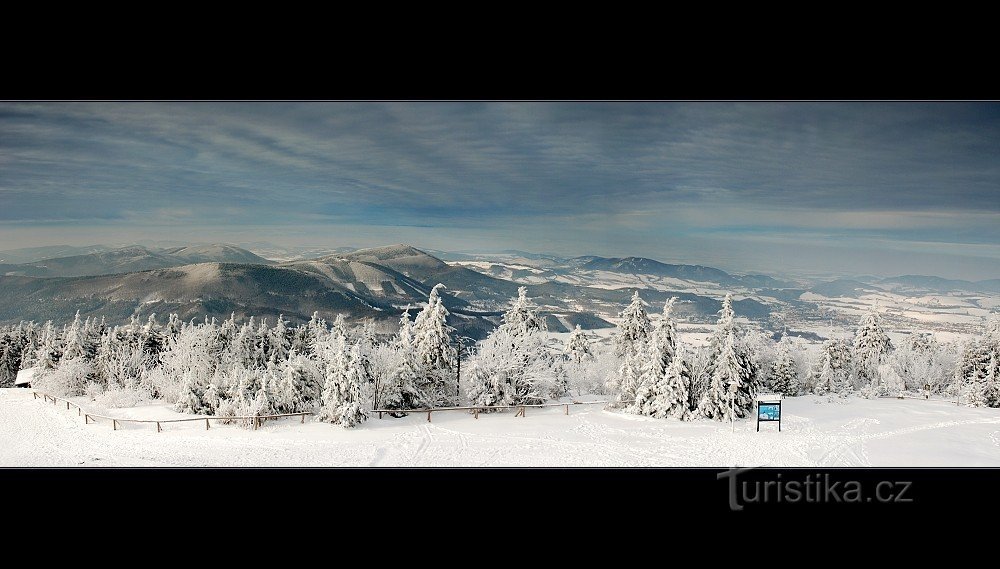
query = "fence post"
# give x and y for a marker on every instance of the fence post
(86, 419)
(475, 412)
(303, 421)
(114, 425)
(157, 426)
(206, 424)
(67, 405)
(79, 411)
(428, 416)
(34, 395)
(567, 409)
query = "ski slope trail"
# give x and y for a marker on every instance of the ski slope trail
(815, 432)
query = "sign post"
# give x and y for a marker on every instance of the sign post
(769, 409)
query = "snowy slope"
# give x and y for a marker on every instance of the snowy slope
(886, 432)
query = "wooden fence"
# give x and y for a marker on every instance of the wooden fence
(257, 420)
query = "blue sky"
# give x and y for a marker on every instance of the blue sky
(882, 188)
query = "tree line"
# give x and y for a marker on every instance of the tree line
(342, 372)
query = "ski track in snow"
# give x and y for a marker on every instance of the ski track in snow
(856, 433)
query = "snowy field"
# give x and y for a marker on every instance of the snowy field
(859, 432)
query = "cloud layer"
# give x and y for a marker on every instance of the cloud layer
(612, 178)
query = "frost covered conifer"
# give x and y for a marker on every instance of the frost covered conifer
(511, 366)
(633, 329)
(522, 316)
(871, 347)
(832, 374)
(344, 392)
(665, 395)
(991, 383)
(299, 385)
(279, 340)
(435, 354)
(732, 385)
(339, 327)
(784, 375)
(578, 346)
(662, 345)
(401, 390)
(79, 343)
(49, 348)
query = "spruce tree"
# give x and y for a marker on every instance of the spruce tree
(784, 376)
(871, 347)
(666, 395)
(400, 390)
(731, 373)
(991, 383)
(345, 388)
(578, 346)
(633, 329)
(512, 366)
(832, 373)
(434, 350)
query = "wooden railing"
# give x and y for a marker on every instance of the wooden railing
(257, 420)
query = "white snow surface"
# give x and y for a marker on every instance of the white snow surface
(815, 432)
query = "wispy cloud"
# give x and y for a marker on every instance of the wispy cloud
(642, 172)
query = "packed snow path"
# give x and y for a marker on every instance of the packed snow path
(885, 432)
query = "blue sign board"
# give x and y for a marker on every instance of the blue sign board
(768, 411)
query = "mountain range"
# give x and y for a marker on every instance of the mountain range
(216, 280)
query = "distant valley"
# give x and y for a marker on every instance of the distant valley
(216, 280)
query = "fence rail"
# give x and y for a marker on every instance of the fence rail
(257, 420)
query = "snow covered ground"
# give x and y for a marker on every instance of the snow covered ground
(885, 432)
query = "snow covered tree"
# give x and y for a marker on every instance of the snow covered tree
(630, 345)
(662, 344)
(832, 374)
(507, 370)
(401, 391)
(633, 329)
(665, 395)
(578, 346)
(649, 364)
(279, 340)
(732, 383)
(784, 373)
(153, 339)
(29, 353)
(732, 387)
(12, 343)
(299, 387)
(871, 347)
(339, 327)
(522, 316)
(49, 348)
(191, 359)
(991, 383)
(345, 389)
(434, 351)
(122, 361)
(976, 364)
(511, 366)
(308, 335)
(79, 343)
